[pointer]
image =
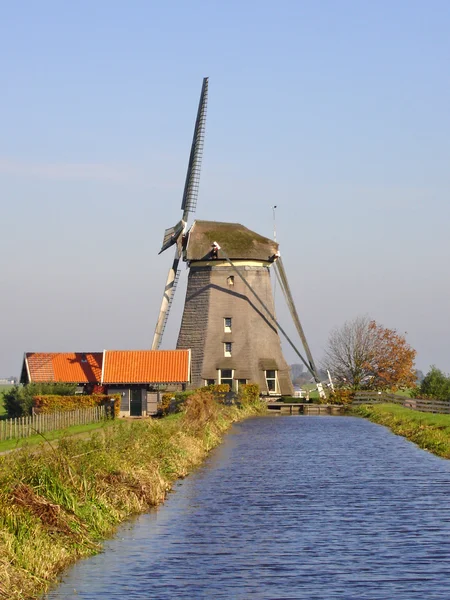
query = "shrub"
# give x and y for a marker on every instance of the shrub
(434, 385)
(249, 393)
(201, 407)
(18, 401)
(173, 402)
(340, 396)
(55, 403)
(218, 390)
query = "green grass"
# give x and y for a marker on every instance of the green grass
(52, 435)
(405, 393)
(429, 431)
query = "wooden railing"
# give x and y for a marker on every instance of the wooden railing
(421, 404)
(22, 427)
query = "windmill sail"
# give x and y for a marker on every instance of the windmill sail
(169, 291)
(282, 278)
(171, 235)
(190, 194)
(188, 204)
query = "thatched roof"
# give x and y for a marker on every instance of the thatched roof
(236, 240)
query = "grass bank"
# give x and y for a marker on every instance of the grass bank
(429, 431)
(58, 505)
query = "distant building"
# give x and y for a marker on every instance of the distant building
(8, 380)
(137, 375)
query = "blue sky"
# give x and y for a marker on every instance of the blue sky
(337, 112)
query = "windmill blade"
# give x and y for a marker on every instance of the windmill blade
(265, 307)
(284, 284)
(171, 235)
(190, 194)
(167, 299)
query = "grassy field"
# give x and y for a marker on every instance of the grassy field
(50, 436)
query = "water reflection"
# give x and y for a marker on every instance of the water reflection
(288, 507)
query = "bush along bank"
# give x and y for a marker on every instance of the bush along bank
(429, 431)
(58, 504)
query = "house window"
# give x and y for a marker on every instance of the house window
(230, 280)
(271, 381)
(210, 381)
(227, 324)
(227, 349)
(226, 376)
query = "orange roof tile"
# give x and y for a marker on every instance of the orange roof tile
(70, 367)
(146, 366)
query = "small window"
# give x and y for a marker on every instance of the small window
(226, 376)
(227, 349)
(271, 381)
(227, 324)
(230, 280)
(210, 381)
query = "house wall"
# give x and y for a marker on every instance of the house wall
(256, 345)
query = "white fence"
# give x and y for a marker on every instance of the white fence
(22, 427)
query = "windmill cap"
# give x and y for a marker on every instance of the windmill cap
(237, 241)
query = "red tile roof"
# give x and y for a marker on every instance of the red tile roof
(146, 366)
(117, 366)
(69, 367)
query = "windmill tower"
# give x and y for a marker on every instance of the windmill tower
(229, 318)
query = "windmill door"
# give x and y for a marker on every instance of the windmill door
(136, 403)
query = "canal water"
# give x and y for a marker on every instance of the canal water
(288, 507)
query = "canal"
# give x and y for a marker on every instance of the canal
(288, 507)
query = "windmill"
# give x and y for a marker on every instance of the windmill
(229, 320)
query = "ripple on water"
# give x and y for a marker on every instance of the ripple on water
(288, 507)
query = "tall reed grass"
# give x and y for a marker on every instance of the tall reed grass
(57, 504)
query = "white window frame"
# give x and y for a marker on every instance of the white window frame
(220, 378)
(275, 379)
(227, 328)
(208, 382)
(227, 348)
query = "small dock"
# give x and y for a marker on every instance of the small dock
(305, 408)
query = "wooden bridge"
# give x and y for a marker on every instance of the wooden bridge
(305, 408)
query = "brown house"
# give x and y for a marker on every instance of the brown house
(137, 375)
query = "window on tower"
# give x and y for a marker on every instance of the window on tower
(226, 376)
(227, 324)
(227, 349)
(230, 280)
(272, 381)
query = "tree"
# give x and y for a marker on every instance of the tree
(365, 355)
(435, 385)
(18, 401)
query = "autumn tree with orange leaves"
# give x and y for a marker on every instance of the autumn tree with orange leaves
(365, 355)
